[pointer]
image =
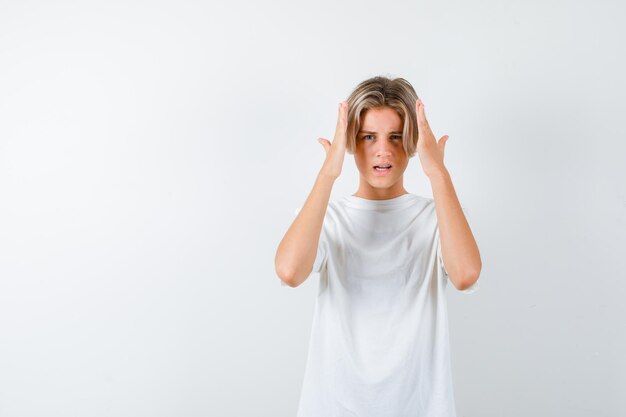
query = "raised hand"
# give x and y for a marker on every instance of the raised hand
(335, 152)
(430, 150)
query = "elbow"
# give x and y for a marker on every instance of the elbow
(291, 274)
(287, 276)
(289, 283)
(283, 270)
(469, 279)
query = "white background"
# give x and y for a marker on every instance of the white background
(152, 155)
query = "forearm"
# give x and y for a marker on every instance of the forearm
(297, 250)
(458, 247)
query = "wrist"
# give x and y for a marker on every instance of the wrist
(439, 174)
(324, 175)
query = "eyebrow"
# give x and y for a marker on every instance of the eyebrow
(369, 131)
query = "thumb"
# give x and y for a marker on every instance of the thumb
(443, 140)
(325, 143)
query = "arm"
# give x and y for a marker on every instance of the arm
(459, 250)
(458, 247)
(297, 250)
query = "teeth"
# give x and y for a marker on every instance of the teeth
(383, 168)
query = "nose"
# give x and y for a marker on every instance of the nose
(383, 150)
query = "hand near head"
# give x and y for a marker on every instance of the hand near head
(430, 150)
(336, 151)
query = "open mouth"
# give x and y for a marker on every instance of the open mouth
(382, 168)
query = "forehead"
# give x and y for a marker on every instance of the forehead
(381, 119)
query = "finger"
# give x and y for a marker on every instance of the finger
(339, 121)
(342, 117)
(419, 109)
(340, 131)
(422, 122)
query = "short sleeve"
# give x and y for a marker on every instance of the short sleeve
(474, 287)
(322, 251)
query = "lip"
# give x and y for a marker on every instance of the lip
(382, 173)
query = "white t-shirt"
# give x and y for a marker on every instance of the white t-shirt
(379, 343)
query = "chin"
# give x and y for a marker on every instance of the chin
(385, 183)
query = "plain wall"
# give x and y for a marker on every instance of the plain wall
(152, 155)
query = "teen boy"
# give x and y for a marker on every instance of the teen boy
(379, 344)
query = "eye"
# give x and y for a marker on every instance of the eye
(372, 136)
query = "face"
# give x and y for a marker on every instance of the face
(379, 142)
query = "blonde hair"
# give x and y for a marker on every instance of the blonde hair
(379, 91)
